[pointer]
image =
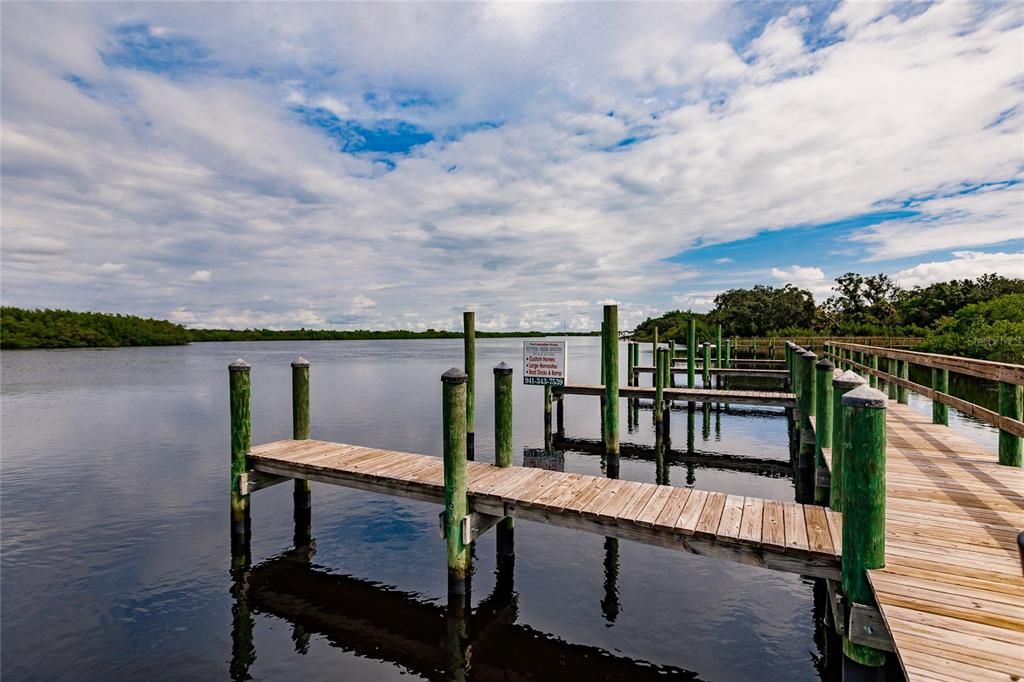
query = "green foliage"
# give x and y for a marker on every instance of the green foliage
(993, 330)
(351, 335)
(20, 328)
(673, 326)
(925, 306)
(753, 312)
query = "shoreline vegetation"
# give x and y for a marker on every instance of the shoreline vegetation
(981, 318)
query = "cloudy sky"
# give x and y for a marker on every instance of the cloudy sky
(389, 165)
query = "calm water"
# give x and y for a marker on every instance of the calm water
(116, 565)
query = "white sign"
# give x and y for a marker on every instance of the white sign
(544, 363)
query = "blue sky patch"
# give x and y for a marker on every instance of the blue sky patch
(389, 136)
(137, 46)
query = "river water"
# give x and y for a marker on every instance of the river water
(116, 561)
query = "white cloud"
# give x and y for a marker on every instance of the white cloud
(200, 276)
(964, 265)
(723, 261)
(810, 278)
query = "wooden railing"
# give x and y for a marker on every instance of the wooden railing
(864, 359)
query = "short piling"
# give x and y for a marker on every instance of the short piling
(940, 384)
(241, 441)
(469, 348)
(456, 503)
(503, 448)
(864, 516)
(610, 362)
(1011, 404)
(302, 495)
(822, 423)
(841, 385)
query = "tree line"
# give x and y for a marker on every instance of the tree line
(981, 317)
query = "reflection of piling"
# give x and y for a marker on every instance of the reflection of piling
(302, 495)
(610, 604)
(456, 504)
(457, 657)
(241, 440)
(503, 447)
(469, 355)
(243, 652)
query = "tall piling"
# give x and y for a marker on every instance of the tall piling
(864, 515)
(718, 346)
(706, 378)
(503, 448)
(902, 392)
(940, 384)
(302, 495)
(691, 353)
(610, 363)
(456, 503)
(822, 424)
(873, 364)
(469, 353)
(806, 405)
(841, 385)
(659, 390)
(241, 442)
(1011, 404)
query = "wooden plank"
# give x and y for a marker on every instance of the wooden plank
(835, 529)
(711, 515)
(669, 516)
(773, 529)
(796, 527)
(621, 499)
(750, 525)
(693, 508)
(638, 502)
(611, 492)
(652, 510)
(818, 537)
(732, 516)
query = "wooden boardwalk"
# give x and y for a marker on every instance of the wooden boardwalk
(952, 589)
(697, 395)
(801, 539)
(725, 372)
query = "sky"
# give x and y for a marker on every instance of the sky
(390, 165)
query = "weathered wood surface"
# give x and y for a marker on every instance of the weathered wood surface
(688, 394)
(777, 535)
(952, 589)
(983, 369)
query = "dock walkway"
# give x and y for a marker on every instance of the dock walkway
(803, 539)
(698, 395)
(952, 589)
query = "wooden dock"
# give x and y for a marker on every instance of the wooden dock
(774, 534)
(723, 371)
(952, 589)
(696, 395)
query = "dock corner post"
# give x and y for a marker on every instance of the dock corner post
(841, 385)
(456, 502)
(940, 384)
(822, 424)
(1011, 404)
(903, 372)
(610, 363)
(864, 518)
(241, 442)
(302, 494)
(469, 346)
(691, 353)
(503, 448)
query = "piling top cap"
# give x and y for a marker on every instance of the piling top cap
(300, 362)
(848, 379)
(825, 364)
(865, 396)
(239, 365)
(502, 368)
(809, 355)
(455, 376)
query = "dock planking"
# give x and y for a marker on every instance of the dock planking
(698, 395)
(731, 527)
(952, 588)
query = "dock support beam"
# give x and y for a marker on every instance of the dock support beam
(691, 353)
(241, 442)
(302, 495)
(940, 384)
(864, 516)
(841, 385)
(610, 364)
(469, 346)
(503, 448)
(822, 424)
(456, 503)
(1011, 404)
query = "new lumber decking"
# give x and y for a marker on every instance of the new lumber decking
(778, 535)
(698, 395)
(952, 589)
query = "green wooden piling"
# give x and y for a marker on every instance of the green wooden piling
(822, 423)
(503, 447)
(903, 371)
(806, 405)
(1011, 404)
(604, 341)
(864, 517)
(610, 362)
(892, 369)
(469, 346)
(671, 363)
(629, 364)
(707, 365)
(691, 353)
(241, 441)
(940, 384)
(841, 385)
(456, 504)
(873, 364)
(718, 346)
(303, 492)
(654, 346)
(548, 446)
(659, 389)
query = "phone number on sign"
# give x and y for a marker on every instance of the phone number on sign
(544, 381)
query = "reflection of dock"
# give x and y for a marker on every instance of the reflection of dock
(697, 395)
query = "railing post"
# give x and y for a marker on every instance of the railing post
(873, 364)
(456, 503)
(469, 347)
(822, 423)
(610, 362)
(893, 371)
(842, 384)
(503, 447)
(940, 384)
(1011, 404)
(903, 372)
(864, 516)
(302, 495)
(241, 441)
(691, 353)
